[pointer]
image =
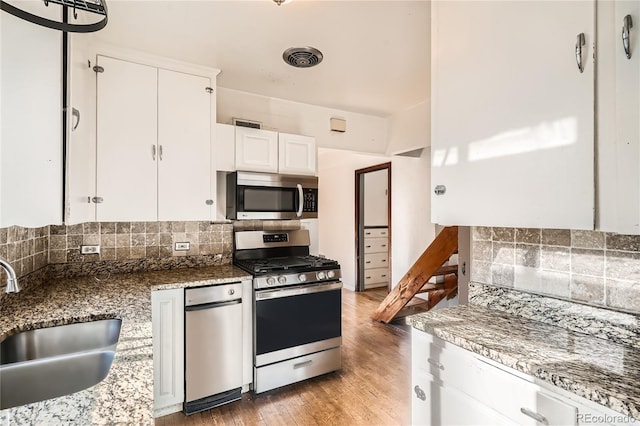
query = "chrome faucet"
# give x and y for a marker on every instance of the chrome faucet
(12, 279)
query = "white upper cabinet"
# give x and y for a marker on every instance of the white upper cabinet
(184, 147)
(512, 114)
(618, 118)
(127, 135)
(225, 147)
(296, 154)
(256, 150)
(31, 130)
(154, 144)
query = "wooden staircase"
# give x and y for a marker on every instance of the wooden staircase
(401, 301)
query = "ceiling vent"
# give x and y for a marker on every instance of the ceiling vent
(302, 57)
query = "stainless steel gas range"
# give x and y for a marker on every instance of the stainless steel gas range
(297, 307)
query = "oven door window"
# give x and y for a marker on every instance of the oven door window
(291, 321)
(264, 199)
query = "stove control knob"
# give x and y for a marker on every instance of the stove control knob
(282, 280)
(302, 278)
(322, 275)
(331, 274)
(271, 281)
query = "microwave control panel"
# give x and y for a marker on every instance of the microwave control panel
(310, 201)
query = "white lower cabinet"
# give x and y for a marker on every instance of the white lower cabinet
(167, 323)
(453, 386)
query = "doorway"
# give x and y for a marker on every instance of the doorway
(373, 227)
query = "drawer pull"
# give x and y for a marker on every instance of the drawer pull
(383, 260)
(302, 364)
(535, 416)
(368, 261)
(383, 276)
(383, 245)
(368, 246)
(435, 363)
(367, 233)
(368, 278)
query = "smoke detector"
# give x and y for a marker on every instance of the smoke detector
(302, 57)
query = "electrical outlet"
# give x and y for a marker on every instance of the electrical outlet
(182, 246)
(93, 249)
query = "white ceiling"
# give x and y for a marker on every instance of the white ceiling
(376, 53)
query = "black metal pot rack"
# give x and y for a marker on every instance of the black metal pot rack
(93, 6)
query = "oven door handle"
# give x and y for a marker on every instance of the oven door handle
(300, 200)
(296, 291)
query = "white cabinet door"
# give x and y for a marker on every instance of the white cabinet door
(184, 147)
(618, 125)
(167, 319)
(256, 150)
(512, 115)
(127, 133)
(296, 154)
(31, 130)
(225, 147)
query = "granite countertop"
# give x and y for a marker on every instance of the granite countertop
(126, 395)
(597, 369)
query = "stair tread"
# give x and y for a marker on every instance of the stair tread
(446, 269)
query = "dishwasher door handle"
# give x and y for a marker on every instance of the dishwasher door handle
(211, 305)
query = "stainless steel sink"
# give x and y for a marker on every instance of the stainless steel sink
(49, 362)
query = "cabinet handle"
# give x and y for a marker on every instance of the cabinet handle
(627, 24)
(420, 393)
(435, 364)
(160, 152)
(153, 152)
(535, 416)
(75, 113)
(579, 44)
(302, 364)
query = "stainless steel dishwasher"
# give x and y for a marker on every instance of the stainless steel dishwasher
(213, 346)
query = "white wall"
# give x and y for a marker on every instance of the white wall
(411, 230)
(410, 129)
(365, 133)
(336, 206)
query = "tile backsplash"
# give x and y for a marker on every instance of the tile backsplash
(592, 267)
(151, 243)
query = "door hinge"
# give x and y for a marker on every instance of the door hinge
(209, 89)
(98, 68)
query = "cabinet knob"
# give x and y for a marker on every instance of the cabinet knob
(420, 393)
(440, 189)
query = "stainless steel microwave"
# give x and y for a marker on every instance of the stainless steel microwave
(271, 196)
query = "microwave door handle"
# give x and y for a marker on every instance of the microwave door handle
(300, 200)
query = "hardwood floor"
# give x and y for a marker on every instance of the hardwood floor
(371, 389)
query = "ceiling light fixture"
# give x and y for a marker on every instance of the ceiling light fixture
(92, 6)
(280, 2)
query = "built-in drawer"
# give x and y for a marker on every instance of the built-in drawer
(375, 276)
(376, 232)
(376, 260)
(294, 370)
(376, 245)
